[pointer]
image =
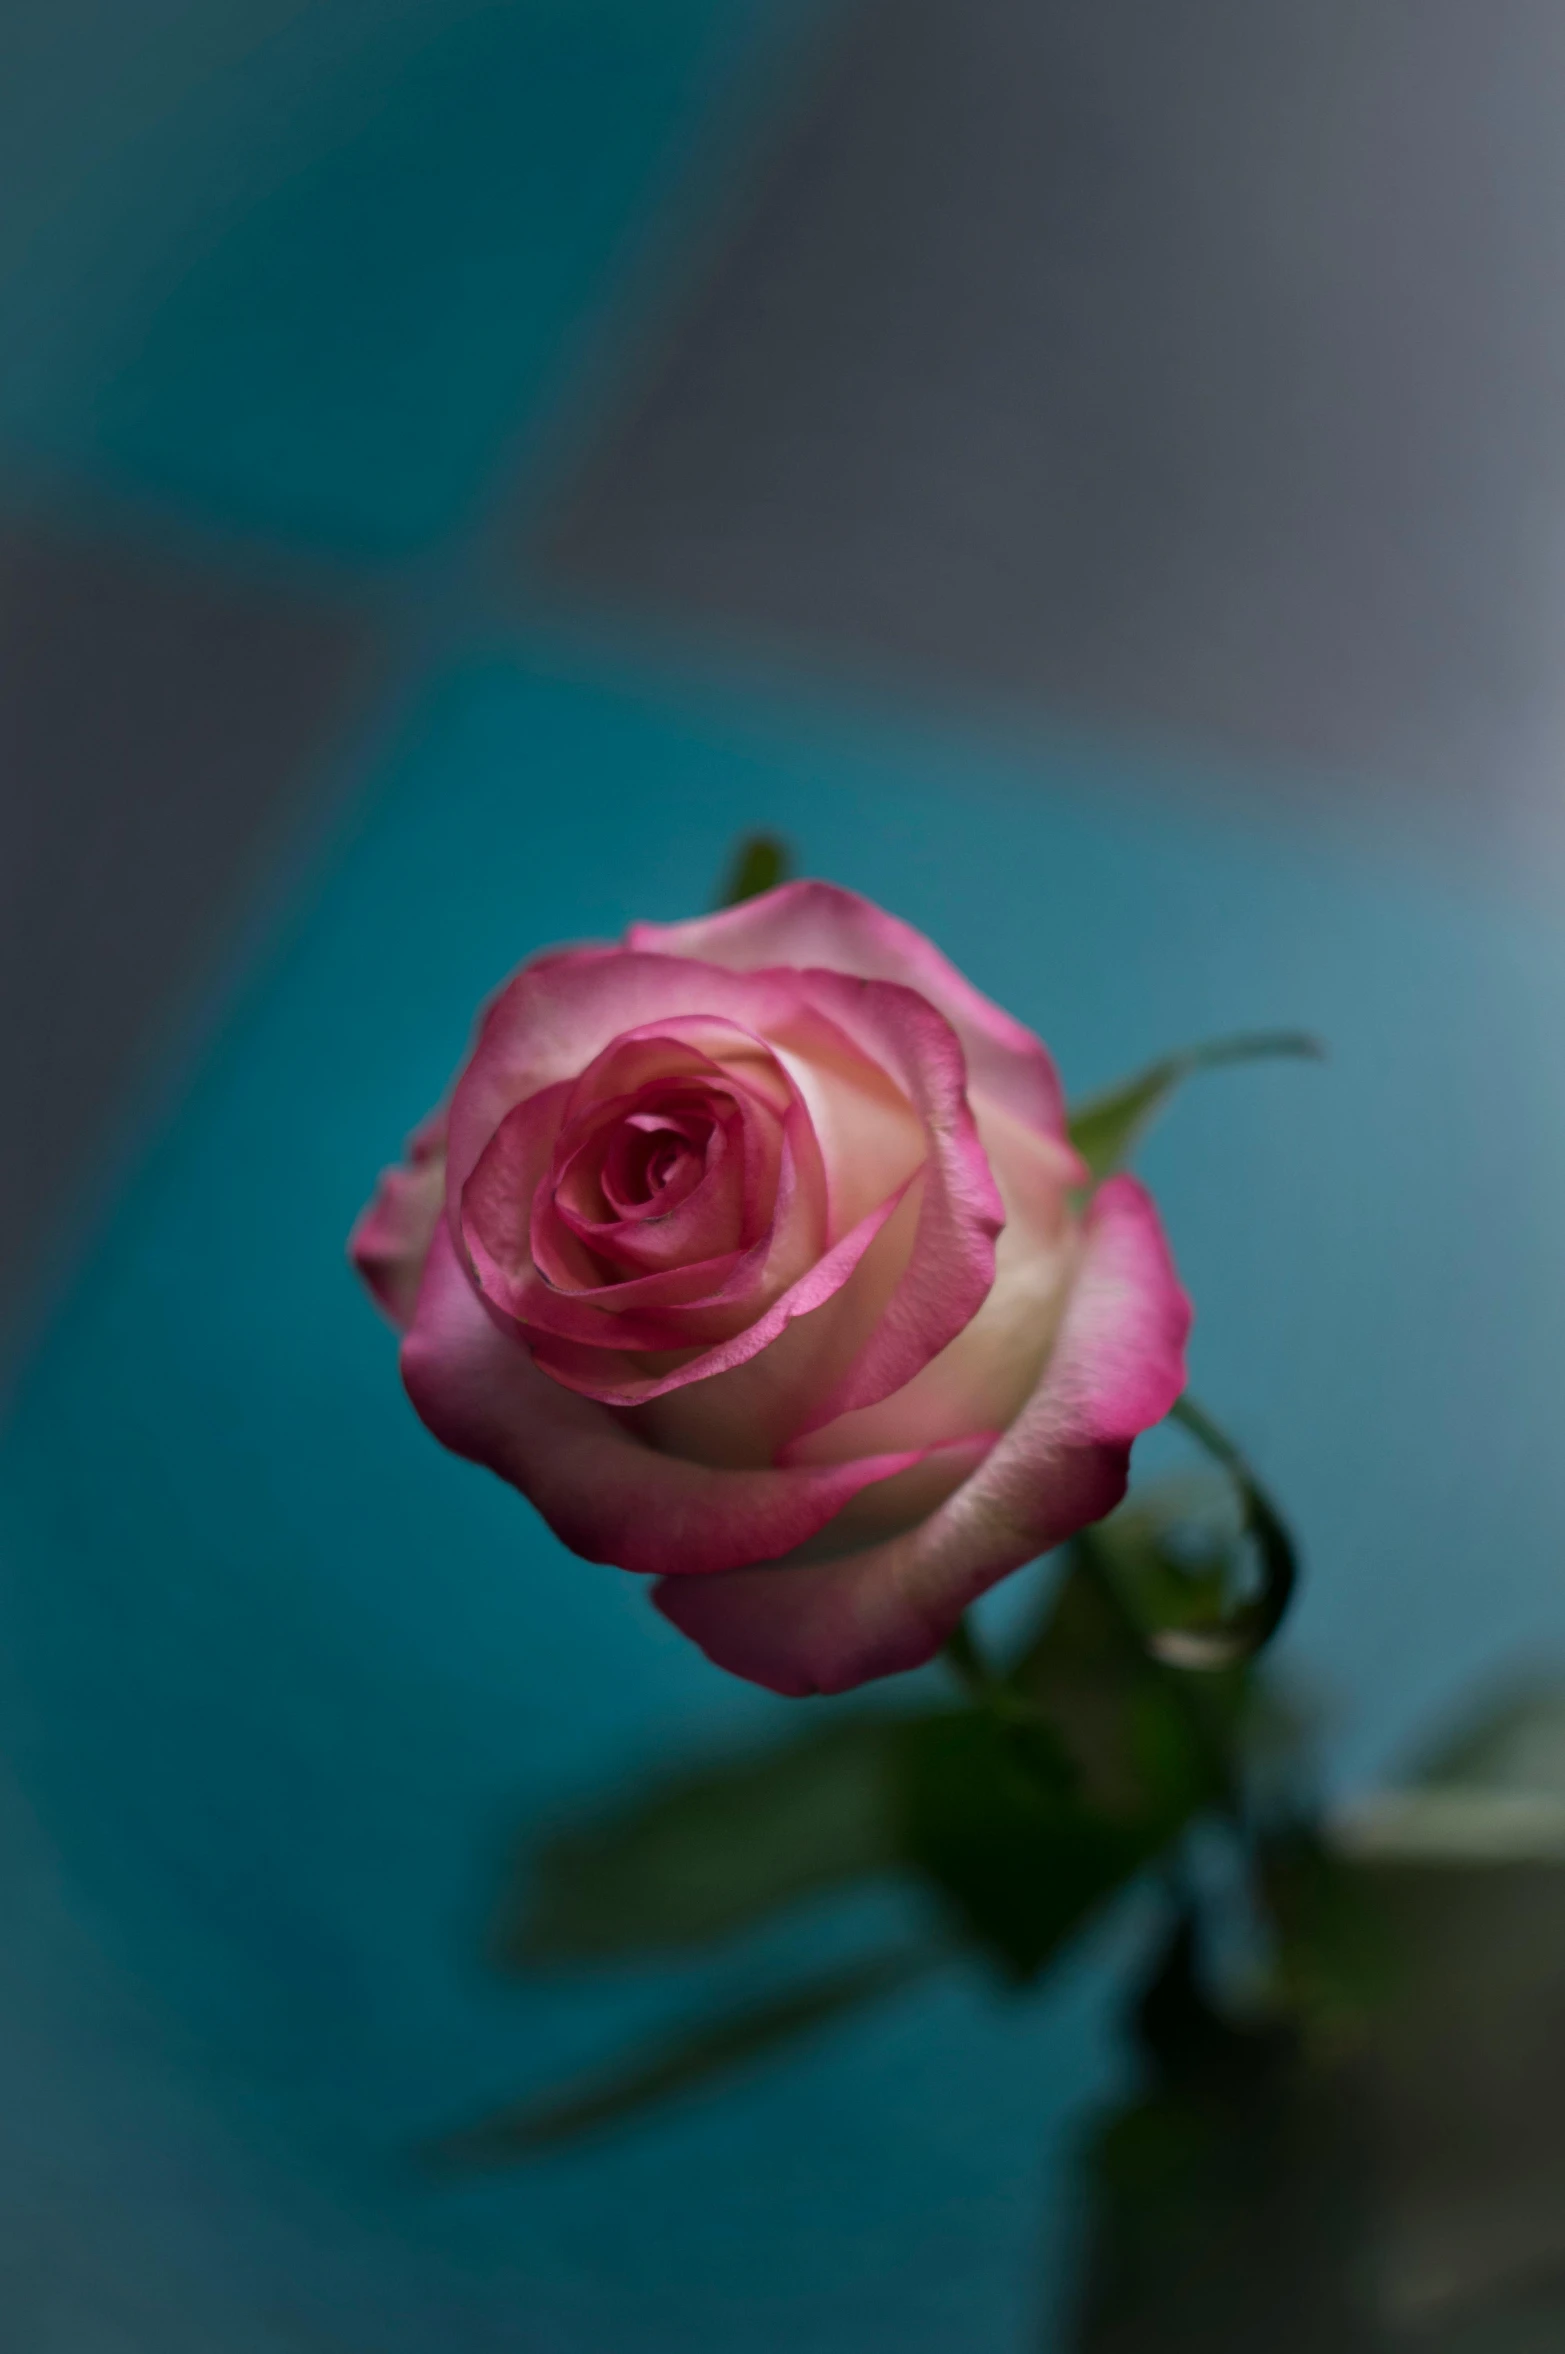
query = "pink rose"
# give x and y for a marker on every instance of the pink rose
(750, 1252)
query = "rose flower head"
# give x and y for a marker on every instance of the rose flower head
(754, 1251)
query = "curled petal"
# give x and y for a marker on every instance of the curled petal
(628, 1380)
(543, 1266)
(702, 1046)
(597, 1336)
(1116, 1368)
(390, 1242)
(495, 1215)
(693, 1129)
(711, 1191)
(605, 1492)
(982, 1379)
(557, 1016)
(751, 1415)
(869, 1065)
(950, 1268)
(867, 1127)
(808, 923)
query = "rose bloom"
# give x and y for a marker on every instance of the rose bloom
(753, 1251)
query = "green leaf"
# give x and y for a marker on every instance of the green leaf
(710, 1852)
(1107, 1128)
(680, 2063)
(759, 863)
(1020, 1862)
(1146, 1745)
(1027, 1827)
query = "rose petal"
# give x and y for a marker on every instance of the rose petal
(604, 1492)
(721, 1197)
(719, 1304)
(869, 1129)
(634, 1058)
(628, 1380)
(495, 1215)
(915, 1282)
(808, 923)
(556, 1017)
(892, 1506)
(390, 1242)
(751, 1412)
(1116, 1368)
(981, 1380)
(884, 1066)
(951, 1265)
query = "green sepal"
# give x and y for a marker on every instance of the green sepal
(1107, 1128)
(759, 863)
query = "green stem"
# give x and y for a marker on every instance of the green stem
(1201, 1427)
(1232, 1642)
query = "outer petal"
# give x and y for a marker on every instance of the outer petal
(809, 923)
(1116, 1368)
(391, 1240)
(604, 1491)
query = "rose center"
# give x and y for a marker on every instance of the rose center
(655, 1157)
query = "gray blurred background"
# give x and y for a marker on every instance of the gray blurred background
(1197, 372)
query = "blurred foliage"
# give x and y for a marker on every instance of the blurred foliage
(1335, 1958)
(1396, 2000)
(1364, 2148)
(1120, 1717)
(713, 2047)
(1107, 1128)
(1226, 2200)
(708, 1852)
(1018, 1862)
(1513, 1741)
(1091, 1756)
(1066, 1770)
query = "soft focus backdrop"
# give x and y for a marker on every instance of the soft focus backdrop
(1097, 488)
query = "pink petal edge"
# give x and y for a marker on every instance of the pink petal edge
(603, 1491)
(392, 1233)
(812, 923)
(950, 1268)
(1116, 1368)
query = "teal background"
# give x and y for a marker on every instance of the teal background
(282, 1685)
